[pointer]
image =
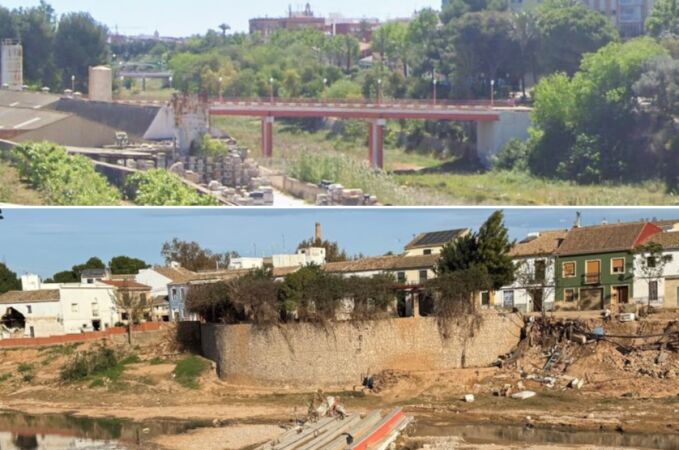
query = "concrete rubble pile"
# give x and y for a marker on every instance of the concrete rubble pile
(234, 177)
(337, 195)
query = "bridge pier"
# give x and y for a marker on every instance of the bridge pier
(267, 136)
(376, 143)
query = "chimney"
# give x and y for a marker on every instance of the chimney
(319, 237)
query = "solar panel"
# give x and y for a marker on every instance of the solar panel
(437, 237)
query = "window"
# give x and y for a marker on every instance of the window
(401, 277)
(592, 271)
(126, 298)
(427, 252)
(569, 269)
(653, 290)
(485, 298)
(142, 297)
(174, 292)
(569, 295)
(650, 261)
(423, 275)
(29, 309)
(618, 265)
(540, 270)
(74, 307)
(508, 299)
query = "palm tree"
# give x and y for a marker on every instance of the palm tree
(224, 27)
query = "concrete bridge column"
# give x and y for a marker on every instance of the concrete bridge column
(267, 136)
(376, 143)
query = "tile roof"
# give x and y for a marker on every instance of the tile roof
(127, 284)
(41, 296)
(668, 239)
(546, 244)
(383, 263)
(601, 238)
(177, 275)
(436, 238)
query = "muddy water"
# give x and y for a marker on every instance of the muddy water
(65, 432)
(514, 434)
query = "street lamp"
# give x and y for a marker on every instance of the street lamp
(325, 85)
(169, 80)
(492, 92)
(379, 91)
(271, 81)
(73, 83)
(434, 82)
(221, 94)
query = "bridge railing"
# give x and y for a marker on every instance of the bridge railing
(362, 103)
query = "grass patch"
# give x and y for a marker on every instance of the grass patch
(25, 367)
(157, 361)
(131, 359)
(502, 188)
(13, 190)
(187, 371)
(4, 377)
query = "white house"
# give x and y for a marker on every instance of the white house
(35, 313)
(246, 263)
(535, 285)
(49, 309)
(662, 289)
(303, 257)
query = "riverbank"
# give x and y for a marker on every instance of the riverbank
(221, 411)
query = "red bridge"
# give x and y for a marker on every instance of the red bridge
(376, 113)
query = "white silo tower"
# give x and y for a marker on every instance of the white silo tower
(101, 84)
(11, 65)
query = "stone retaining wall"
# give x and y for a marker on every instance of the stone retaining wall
(342, 352)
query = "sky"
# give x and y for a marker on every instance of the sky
(183, 18)
(47, 240)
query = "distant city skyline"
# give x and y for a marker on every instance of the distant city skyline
(179, 18)
(46, 241)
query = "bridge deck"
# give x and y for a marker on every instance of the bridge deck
(352, 110)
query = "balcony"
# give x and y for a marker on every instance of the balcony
(592, 278)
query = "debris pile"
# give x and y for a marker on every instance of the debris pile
(337, 195)
(570, 354)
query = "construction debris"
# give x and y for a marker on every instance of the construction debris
(354, 433)
(469, 398)
(523, 395)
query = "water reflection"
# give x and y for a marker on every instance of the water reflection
(507, 434)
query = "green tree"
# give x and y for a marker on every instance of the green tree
(659, 82)
(458, 8)
(569, 30)
(483, 42)
(664, 18)
(124, 265)
(8, 280)
(80, 43)
(36, 29)
(488, 248)
(7, 25)
(73, 275)
(192, 256)
(526, 35)
(652, 262)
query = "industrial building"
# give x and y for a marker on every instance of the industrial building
(11, 65)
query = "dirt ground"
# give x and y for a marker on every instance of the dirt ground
(624, 392)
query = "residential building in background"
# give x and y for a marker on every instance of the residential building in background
(432, 243)
(535, 286)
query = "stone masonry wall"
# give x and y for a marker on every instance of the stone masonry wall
(343, 352)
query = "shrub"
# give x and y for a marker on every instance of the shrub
(25, 368)
(156, 361)
(187, 371)
(514, 156)
(99, 360)
(162, 188)
(63, 179)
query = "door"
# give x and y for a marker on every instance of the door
(619, 296)
(591, 299)
(537, 296)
